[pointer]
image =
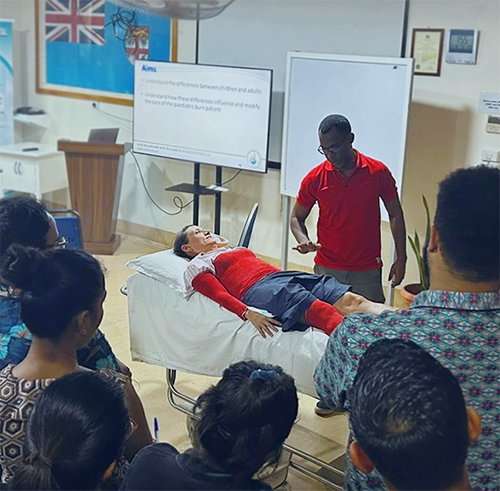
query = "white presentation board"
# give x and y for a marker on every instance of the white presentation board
(256, 33)
(373, 93)
(203, 113)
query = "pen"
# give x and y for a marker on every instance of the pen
(156, 429)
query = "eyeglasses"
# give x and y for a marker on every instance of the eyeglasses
(332, 148)
(131, 430)
(133, 427)
(60, 243)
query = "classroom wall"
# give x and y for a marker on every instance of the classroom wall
(446, 132)
(446, 129)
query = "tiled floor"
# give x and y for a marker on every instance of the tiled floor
(325, 438)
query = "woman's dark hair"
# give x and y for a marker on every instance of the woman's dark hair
(181, 239)
(76, 431)
(23, 221)
(243, 421)
(55, 285)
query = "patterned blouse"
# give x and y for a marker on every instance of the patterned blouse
(17, 399)
(462, 330)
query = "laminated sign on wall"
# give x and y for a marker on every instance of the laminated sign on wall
(6, 84)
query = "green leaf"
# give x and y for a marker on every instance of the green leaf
(416, 250)
(425, 277)
(428, 216)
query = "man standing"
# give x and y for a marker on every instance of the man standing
(347, 187)
(457, 320)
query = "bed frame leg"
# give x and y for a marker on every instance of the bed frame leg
(173, 392)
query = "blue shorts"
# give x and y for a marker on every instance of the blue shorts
(288, 294)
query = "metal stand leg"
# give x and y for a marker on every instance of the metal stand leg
(173, 392)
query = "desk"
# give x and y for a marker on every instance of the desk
(36, 172)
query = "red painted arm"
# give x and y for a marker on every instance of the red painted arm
(207, 284)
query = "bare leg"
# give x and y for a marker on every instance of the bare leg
(352, 303)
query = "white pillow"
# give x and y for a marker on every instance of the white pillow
(165, 267)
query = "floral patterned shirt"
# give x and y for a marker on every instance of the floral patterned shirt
(462, 330)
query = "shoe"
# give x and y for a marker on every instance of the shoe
(325, 411)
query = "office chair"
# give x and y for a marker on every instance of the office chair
(246, 233)
(70, 227)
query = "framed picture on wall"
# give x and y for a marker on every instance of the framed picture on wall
(86, 48)
(427, 50)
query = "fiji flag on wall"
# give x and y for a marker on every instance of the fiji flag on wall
(87, 48)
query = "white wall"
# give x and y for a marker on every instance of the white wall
(446, 131)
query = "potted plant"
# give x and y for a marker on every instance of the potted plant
(409, 292)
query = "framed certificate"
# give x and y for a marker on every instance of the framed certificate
(427, 50)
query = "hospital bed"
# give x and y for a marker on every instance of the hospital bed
(196, 335)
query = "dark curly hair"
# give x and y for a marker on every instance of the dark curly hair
(243, 421)
(408, 415)
(56, 284)
(467, 220)
(23, 221)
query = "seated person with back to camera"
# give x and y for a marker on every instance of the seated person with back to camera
(63, 292)
(419, 435)
(457, 320)
(256, 291)
(237, 431)
(26, 221)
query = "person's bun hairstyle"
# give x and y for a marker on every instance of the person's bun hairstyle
(55, 285)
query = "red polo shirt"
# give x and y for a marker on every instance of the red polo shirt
(349, 212)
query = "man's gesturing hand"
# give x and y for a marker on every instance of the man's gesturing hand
(263, 324)
(305, 247)
(397, 272)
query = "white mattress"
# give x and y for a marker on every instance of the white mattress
(199, 336)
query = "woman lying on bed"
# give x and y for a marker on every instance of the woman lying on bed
(256, 291)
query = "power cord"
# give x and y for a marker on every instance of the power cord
(118, 123)
(234, 177)
(176, 199)
(94, 105)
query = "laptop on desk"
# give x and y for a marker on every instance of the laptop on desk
(103, 135)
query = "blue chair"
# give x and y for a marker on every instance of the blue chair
(69, 225)
(246, 233)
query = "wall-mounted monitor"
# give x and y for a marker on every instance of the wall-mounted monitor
(203, 113)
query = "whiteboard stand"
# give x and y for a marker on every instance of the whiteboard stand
(374, 93)
(389, 294)
(285, 234)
